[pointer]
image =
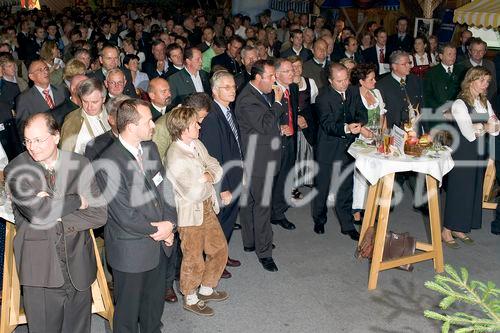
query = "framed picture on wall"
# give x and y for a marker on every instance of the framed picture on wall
(423, 27)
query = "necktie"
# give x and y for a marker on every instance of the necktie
(139, 160)
(104, 130)
(230, 120)
(402, 83)
(290, 111)
(48, 98)
(50, 176)
(342, 94)
(381, 57)
(449, 70)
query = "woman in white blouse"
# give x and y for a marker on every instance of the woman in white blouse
(140, 80)
(307, 134)
(474, 118)
(364, 76)
(421, 60)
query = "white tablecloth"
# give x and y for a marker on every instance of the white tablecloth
(6, 212)
(374, 165)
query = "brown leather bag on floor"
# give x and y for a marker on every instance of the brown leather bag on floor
(396, 246)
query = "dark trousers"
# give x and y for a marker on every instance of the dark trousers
(62, 309)
(256, 229)
(171, 264)
(227, 217)
(343, 195)
(280, 190)
(139, 300)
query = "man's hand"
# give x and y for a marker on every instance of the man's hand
(301, 121)
(164, 230)
(207, 178)
(366, 132)
(84, 204)
(286, 130)
(226, 197)
(170, 240)
(278, 93)
(354, 128)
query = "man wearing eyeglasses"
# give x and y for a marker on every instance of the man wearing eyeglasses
(42, 97)
(56, 200)
(115, 83)
(87, 122)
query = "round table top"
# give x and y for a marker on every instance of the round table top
(374, 165)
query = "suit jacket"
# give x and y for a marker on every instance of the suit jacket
(224, 60)
(171, 71)
(241, 79)
(304, 54)
(218, 137)
(396, 100)
(461, 55)
(314, 71)
(31, 101)
(134, 201)
(489, 65)
(334, 113)
(98, 145)
(155, 113)
(358, 57)
(370, 56)
(128, 90)
(181, 85)
(61, 111)
(395, 43)
(24, 42)
(259, 120)
(440, 87)
(150, 69)
(37, 225)
(161, 136)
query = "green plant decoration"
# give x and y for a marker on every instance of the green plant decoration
(457, 288)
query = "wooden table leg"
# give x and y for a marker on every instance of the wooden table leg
(8, 269)
(488, 182)
(383, 218)
(371, 207)
(435, 223)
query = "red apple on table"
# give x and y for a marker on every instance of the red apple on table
(412, 141)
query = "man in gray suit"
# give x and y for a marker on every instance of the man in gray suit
(42, 97)
(141, 220)
(55, 200)
(477, 51)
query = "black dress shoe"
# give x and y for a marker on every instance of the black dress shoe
(354, 234)
(284, 223)
(237, 226)
(319, 229)
(268, 264)
(249, 248)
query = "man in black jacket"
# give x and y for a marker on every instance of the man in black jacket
(341, 118)
(228, 59)
(401, 40)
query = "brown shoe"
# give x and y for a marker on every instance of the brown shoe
(233, 262)
(217, 296)
(226, 274)
(170, 295)
(200, 308)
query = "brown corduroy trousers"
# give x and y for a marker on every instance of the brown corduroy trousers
(206, 238)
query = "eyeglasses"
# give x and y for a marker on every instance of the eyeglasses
(28, 142)
(40, 70)
(228, 87)
(116, 83)
(403, 64)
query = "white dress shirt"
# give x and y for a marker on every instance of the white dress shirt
(198, 85)
(40, 89)
(133, 150)
(98, 125)
(461, 115)
(160, 109)
(382, 67)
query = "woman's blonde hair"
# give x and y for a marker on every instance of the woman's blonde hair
(473, 74)
(73, 67)
(46, 50)
(179, 119)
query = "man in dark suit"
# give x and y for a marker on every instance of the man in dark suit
(248, 57)
(141, 37)
(477, 52)
(297, 48)
(350, 45)
(282, 190)
(9, 136)
(463, 48)
(228, 59)
(401, 40)
(379, 54)
(341, 118)
(190, 79)
(42, 97)
(55, 200)
(158, 65)
(141, 220)
(400, 90)
(24, 41)
(109, 59)
(258, 116)
(220, 135)
(175, 56)
(207, 38)
(317, 67)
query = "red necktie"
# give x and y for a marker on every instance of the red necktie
(381, 57)
(290, 112)
(48, 99)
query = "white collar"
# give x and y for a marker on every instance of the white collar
(260, 92)
(446, 67)
(474, 64)
(133, 150)
(322, 64)
(283, 88)
(40, 89)
(397, 78)
(380, 48)
(297, 51)
(223, 108)
(190, 147)
(159, 108)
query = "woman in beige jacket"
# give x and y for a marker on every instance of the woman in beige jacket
(193, 172)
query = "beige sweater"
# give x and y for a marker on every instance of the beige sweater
(185, 170)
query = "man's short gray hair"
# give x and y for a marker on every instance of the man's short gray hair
(88, 86)
(218, 76)
(397, 55)
(115, 71)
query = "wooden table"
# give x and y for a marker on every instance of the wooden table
(379, 200)
(12, 314)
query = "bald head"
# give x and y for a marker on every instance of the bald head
(320, 50)
(159, 92)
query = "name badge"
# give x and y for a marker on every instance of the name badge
(157, 179)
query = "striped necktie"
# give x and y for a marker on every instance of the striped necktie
(230, 120)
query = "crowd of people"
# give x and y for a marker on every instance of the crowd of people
(159, 131)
